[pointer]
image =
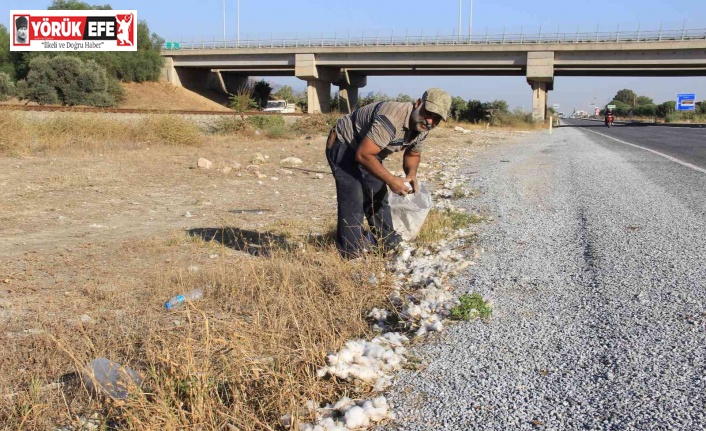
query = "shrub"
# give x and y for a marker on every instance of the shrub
(231, 125)
(7, 87)
(171, 130)
(43, 93)
(315, 123)
(277, 131)
(22, 89)
(666, 108)
(266, 121)
(70, 81)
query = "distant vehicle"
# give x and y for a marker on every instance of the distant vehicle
(562, 115)
(281, 106)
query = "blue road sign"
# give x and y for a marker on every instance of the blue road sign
(686, 102)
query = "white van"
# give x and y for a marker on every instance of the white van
(281, 106)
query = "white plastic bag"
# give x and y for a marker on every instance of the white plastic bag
(409, 212)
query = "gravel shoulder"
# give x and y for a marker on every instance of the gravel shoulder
(595, 263)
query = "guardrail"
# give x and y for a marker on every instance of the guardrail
(438, 39)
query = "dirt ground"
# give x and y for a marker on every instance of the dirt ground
(72, 220)
(87, 237)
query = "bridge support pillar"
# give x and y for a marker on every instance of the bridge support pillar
(318, 81)
(539, 100)
(348, 99)
(169, 73)
(540, 75)
(348, 84)
(318, 96)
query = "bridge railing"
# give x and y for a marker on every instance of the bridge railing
(438, 39)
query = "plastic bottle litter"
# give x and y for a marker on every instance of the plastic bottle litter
(177, 300)
(110, 378)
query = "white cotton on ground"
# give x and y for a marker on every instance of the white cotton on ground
(370, 362)
(423, 300)
(346, 415)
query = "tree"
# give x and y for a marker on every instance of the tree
(285, 93)
(647, 110)
(498, 106)
(626, 96)
(261, 92)
(622, 109)
(301, 99)
(373, 98)
(458, 107)
(474, 111)
(143, 65)
(666, 108)
(68, 80)
(75, 5)
(6, 65)
(643, 100)
(404, 98)
(7, 87)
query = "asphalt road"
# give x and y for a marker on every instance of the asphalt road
(595, 264)
(683, 143)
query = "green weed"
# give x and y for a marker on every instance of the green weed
(471, 307)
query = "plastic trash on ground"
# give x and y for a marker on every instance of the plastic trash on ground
(109, 378)
(178, 300)
(409, 212)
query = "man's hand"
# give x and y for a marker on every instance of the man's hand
(397, 185)
(415, 184)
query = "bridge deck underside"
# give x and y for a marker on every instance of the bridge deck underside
(666, 62)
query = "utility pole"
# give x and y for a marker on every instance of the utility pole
(224, 21)
(470, 23)
(238, 25)
(459, 20)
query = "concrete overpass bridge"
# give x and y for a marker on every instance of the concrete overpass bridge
(346, 63)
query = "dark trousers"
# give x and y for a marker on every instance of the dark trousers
(360, 196)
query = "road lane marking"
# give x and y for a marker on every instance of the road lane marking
(673, 159)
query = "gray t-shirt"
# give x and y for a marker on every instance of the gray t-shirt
(386, 124)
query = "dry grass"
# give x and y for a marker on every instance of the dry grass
(244, 355)
(504, 122)
(23, 135)
(440, 223)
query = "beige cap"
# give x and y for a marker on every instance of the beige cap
(437, 101)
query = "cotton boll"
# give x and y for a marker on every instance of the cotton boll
(378, 314)
(356, 347)
(327, 424)
(356, 418)
(380, 402)
(381, 384)
(366, 374)
(404, 257)
(345, 357)
(343, 403)
(374, 350)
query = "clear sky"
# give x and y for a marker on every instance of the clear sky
(203, 19)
